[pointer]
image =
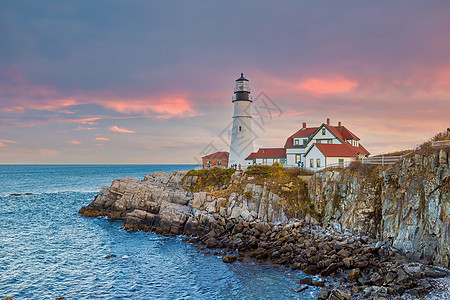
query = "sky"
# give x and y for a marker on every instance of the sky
(152, 81)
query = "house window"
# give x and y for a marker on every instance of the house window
(318, 162)
(295, 142)
(304, 141)
(330, 141)
(341, 162)
(240, 128)
(264, 161)
(318, 141)
(297, 158)
(219, 163)
(311, 163)
(323, 131)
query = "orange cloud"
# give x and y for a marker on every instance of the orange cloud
(121, 130)
(75, 142)
(102, 139)
(325, 86)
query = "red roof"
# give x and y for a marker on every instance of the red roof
(304, 132)
(341, 132)
(362, 150)
(340, 150)
(252, 156)
(222, 154)
(268, 153)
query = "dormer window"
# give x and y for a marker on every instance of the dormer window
(304, 141)
(295, 141)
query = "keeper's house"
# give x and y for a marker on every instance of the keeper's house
(315, 148)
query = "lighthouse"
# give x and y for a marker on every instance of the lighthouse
(241, 135)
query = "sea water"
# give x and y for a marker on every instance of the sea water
(48, 250)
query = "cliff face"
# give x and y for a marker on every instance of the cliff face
(407, 204)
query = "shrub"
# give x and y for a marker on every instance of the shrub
(248, 194)
(363, 169)
(210, 179)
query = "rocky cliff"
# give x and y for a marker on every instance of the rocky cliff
(407, 204)
(163, 203)
(342, 223)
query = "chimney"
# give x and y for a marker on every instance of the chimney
(304, 124)
(328, 121)
(339, 123)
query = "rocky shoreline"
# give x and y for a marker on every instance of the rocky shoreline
(253, 223)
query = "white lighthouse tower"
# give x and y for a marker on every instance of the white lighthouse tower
(241, 135)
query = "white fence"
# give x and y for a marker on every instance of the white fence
(440, 143)
(383, 160)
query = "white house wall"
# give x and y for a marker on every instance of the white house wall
(315, 153)
(290, 156)
(290, 159)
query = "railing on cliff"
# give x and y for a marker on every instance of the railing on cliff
(340, 165)
(440, 143)
(383, 160)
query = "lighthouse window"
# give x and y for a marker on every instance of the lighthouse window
(240, 128)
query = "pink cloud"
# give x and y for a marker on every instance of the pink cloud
(102, 139)
(327, 86)
(121, 130)
(74, 142)
(83, 128)
(27, 95)
(8, 141)
(3, 143)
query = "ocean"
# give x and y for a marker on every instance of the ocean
(48, 250)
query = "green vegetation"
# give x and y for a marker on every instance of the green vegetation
(209, 180)
(426, 148)
(248, 194)
(442, 136)
(276, 170)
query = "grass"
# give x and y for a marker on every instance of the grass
(209, 180)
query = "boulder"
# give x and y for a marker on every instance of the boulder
(173, 217)
(229, 259)
(354, 275)
(340, 293)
